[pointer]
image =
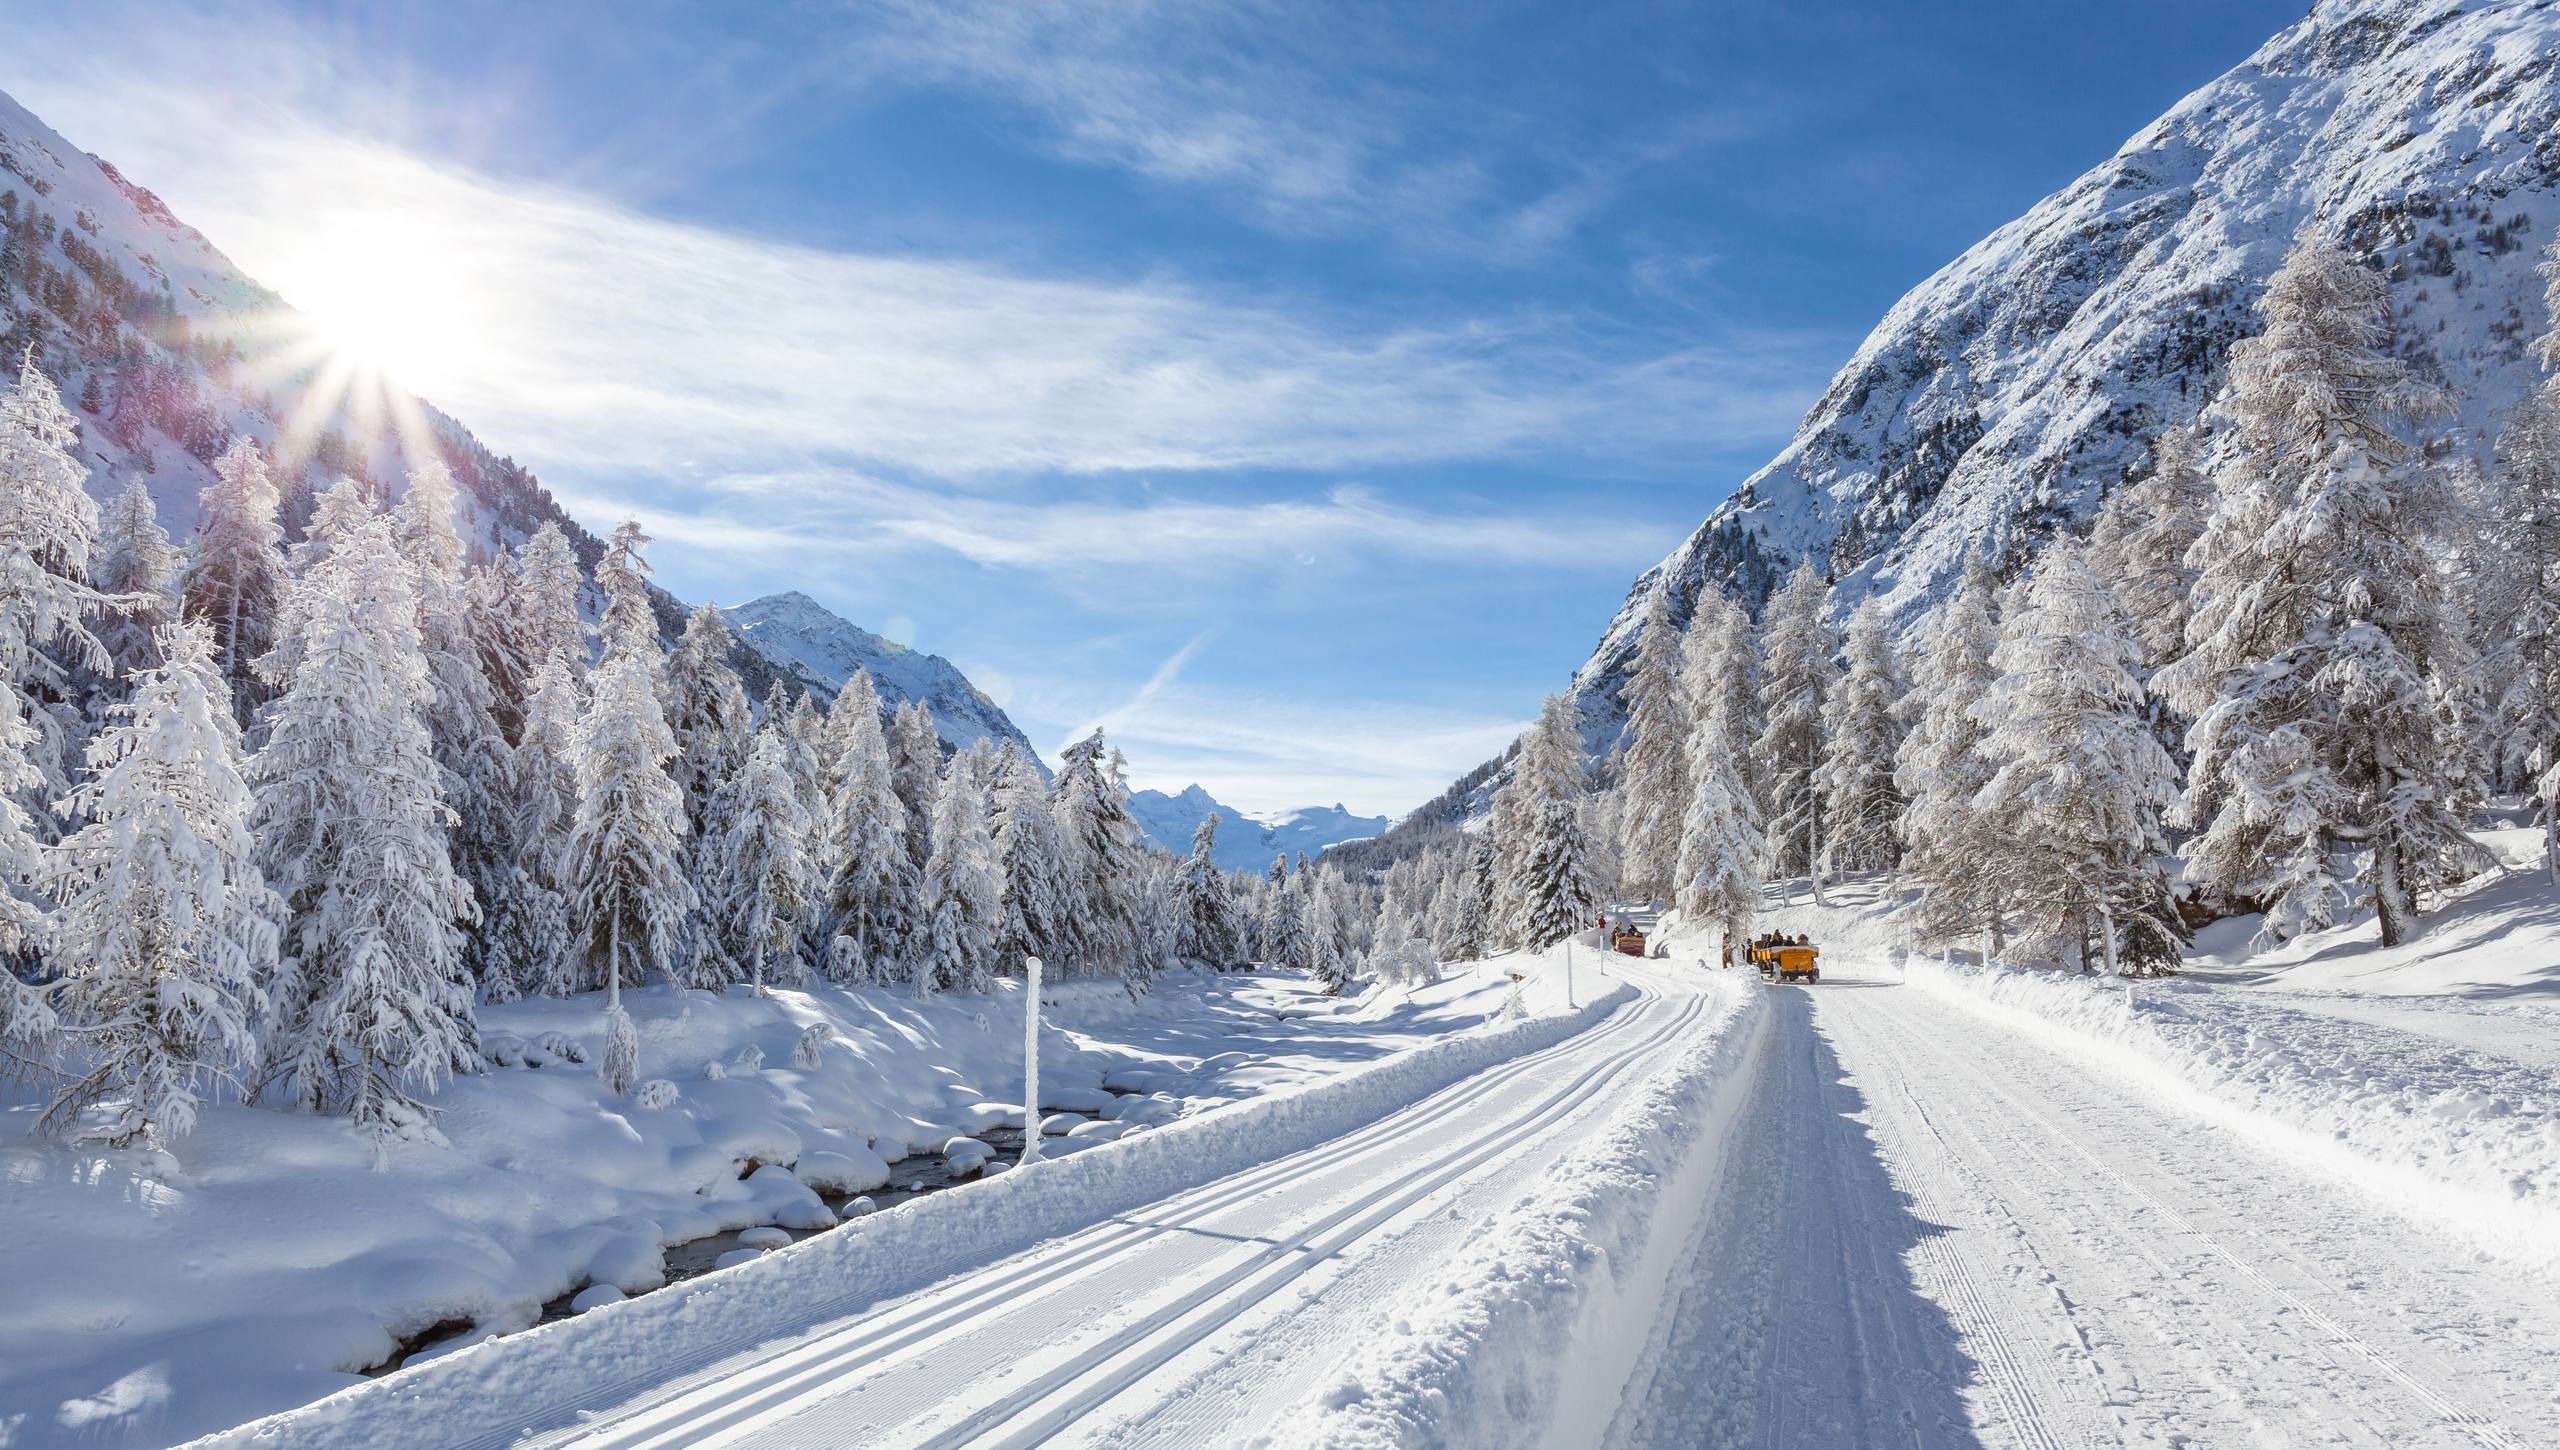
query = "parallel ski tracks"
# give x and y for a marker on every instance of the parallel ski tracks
(770, 1391)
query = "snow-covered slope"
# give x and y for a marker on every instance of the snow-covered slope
(2002, 397)
(1246, 842)
(822, 649)
(169, 352)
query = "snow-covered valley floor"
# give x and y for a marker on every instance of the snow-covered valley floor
(1914, 1205)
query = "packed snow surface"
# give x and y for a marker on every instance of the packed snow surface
(153, 1297)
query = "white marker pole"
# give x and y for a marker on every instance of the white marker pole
(1568, 974)
(1030, 1060)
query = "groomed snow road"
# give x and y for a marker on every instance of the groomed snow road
(1940, 1233)
(1199, 1318)
(1180, 1324)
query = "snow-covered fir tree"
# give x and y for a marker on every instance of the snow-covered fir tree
(2322, 621)
(1400, 953)
(1653, 761)
(963, 890)
(2082, 780)
(1950, 844)
(463, 732)
(1034, 878)
(1547, 890)
(531, 949)
(27, 1018)
(137, 565)
(2140, 542)
(868, 911)
(757, 876)
(707, 712)
(162, 929)
(1327, 962)
(1283, 928)
(48, 539)
(542, 590)
(1721, 841)
(237, 580)
(1861, 805)
(371, 1001)
(1795, 682)
(1156, 931)
(2520, 593)
(915, 771)
(1206, 907)
(1098, 845)
(626, 849)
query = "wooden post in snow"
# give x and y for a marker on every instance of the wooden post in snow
(1030, 1060)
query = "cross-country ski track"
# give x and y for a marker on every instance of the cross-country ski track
(1923, 1229)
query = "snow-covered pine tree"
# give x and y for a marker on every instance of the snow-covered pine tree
(2321, 619)
(463, 732)
(1951, 849)
(1400, 954)
(1156, 922)
(707, 712)
(136, 563)
(531, 950)
(1545, 872)
(236, 583)
(48, 538)
(1098, 845)
(371, 1000)
(2521, 589)
(1473, 933)
(870, 922)
(1720, 814)
(542, 590)
(915, 770)
(163, 930)
(2082, 780)
(2140, 542)
(1653, 760)
(963, 892)
(1327, 962)
(1795, 681)
(1861, 805)
(626, 856)
(27, 1018)
(1210, 934)
(1034, 878)
(756, 872)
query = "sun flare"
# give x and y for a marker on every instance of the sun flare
(382, 299)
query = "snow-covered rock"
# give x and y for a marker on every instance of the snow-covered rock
(855, 1170)
(1058, 1125)
(763, 1238)
(735, 1257)
(821, 649)
(596, 1296)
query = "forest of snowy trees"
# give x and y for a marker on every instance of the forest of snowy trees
(2283, 673)
(280, 819)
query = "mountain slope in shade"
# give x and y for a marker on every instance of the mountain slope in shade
(2000, 399)
(820, 649)
(1246, 842)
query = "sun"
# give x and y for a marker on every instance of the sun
(378, 295)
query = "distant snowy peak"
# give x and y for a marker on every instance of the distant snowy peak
(1999, 399)
(821, 649)
(1246, 842)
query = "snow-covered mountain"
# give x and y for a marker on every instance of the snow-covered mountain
(169, 352)
(821, 649)
(2000, 399)
(1246, 842)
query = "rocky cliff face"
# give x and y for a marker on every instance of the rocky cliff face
(2000, 399)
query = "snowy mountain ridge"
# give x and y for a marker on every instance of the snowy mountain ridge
(1247, 841)
(132, 309)
(821, 649)
(1998, 401)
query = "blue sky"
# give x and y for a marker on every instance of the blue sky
(1294, 389)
